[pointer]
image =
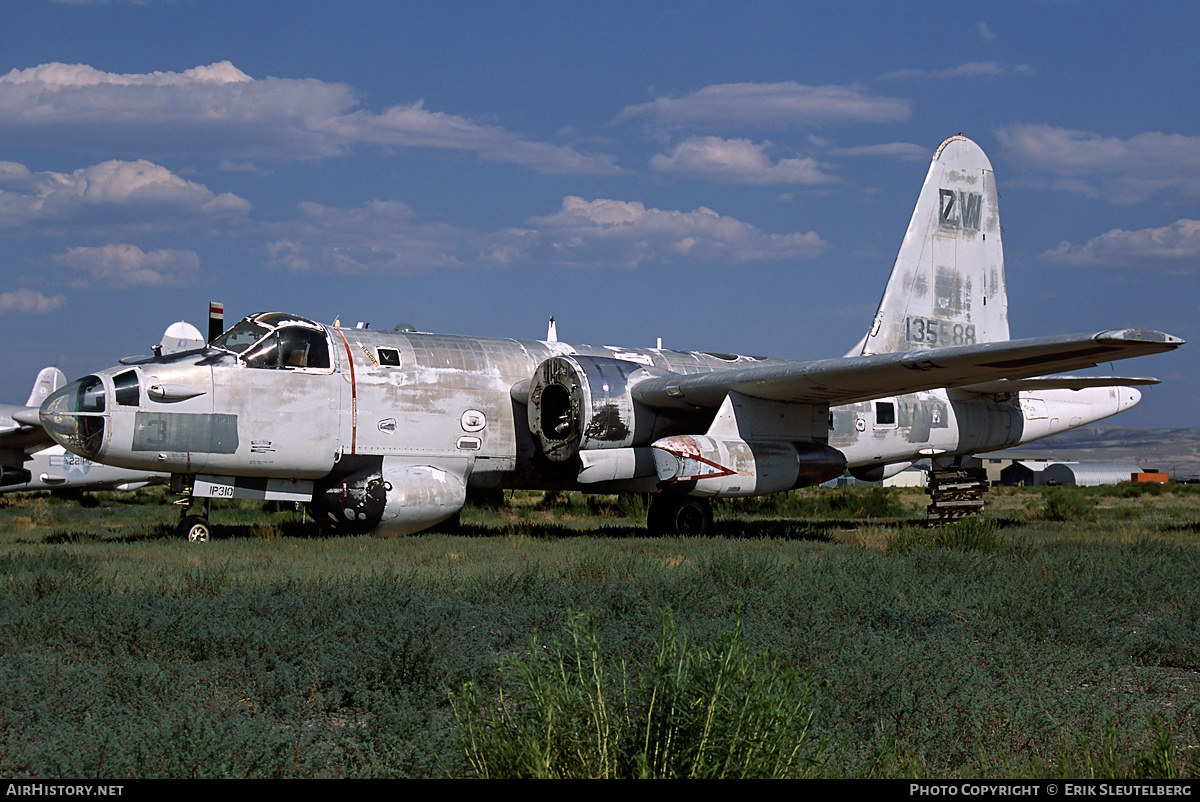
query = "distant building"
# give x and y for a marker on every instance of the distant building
(1026, 472)
(909, 477)
(1089, 474)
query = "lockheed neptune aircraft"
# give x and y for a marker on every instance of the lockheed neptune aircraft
(387, 431)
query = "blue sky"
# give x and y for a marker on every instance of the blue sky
(725, 176)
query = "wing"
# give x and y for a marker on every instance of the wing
(850, 379)
(1057, 383)
(21, 431)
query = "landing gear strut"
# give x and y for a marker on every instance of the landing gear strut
(673, 514)
(192, 528)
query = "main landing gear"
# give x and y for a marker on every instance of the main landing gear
(673, 514)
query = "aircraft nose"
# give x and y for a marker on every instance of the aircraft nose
(75, 416)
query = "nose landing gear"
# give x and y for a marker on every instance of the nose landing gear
(192, 528)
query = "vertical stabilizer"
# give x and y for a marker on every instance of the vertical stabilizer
(47, 381)
(947, 285)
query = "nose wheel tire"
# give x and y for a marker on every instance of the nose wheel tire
(672, 514)
(195, 529)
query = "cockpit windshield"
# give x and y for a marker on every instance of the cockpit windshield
(241, 336)
(277, 341)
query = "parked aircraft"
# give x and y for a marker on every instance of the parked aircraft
(30, 460)
(386, 431)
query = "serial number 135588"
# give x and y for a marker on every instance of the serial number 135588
(938, 332)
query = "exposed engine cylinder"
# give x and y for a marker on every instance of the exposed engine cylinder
(713, 466)
(584, 402)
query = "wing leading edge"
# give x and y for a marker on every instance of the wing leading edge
(859, 378)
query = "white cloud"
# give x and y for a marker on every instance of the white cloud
(737, 161)
(971, 69)
(379, 237)
(138, 193)
(129, 266)
(28, 301)
(220, 112)
(772, 105)
(985, 32)
(1120, 171)
(904, 151)
(385, 237)
(625, 233)
(415, 126)
(1172, 247)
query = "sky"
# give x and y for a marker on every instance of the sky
(726, 176)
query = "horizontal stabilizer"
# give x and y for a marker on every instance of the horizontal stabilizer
(1057, 383)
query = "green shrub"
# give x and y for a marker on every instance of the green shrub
(1062, 504)
(694, 711)
(974, 533)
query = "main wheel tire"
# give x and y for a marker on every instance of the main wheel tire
(672, 514)
(195, 529)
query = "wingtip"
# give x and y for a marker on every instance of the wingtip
(1141, 335)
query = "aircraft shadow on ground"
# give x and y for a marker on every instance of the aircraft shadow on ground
(779, 529)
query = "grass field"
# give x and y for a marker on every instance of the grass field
(1057, 636)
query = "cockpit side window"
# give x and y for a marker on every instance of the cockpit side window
(264, 354)
(303, 348)
(291, 348)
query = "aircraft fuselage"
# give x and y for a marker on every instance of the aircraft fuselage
(374, 409)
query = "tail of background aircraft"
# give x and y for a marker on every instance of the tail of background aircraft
(947, 285)
(48, 380)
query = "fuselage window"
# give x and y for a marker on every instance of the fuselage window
(126, 386)
(885, 413)
(389, 356)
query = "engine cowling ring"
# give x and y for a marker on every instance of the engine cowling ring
(585, 402)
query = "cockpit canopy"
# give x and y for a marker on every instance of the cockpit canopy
(274, 340)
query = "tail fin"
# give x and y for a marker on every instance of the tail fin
(947, 285)
(48, 380)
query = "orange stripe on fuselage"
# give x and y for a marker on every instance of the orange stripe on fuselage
(353, 396)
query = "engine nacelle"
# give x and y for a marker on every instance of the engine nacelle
(389, 498)
(13, 476)
(713, 466)
(584, 402)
